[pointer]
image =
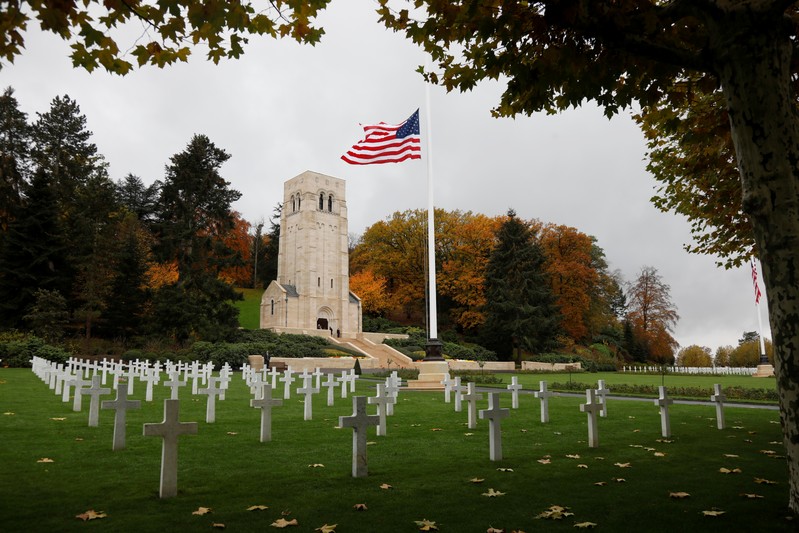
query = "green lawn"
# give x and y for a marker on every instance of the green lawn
(250, 308)
(428, 457)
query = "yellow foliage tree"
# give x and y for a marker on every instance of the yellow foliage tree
(694, 355)
(371, 289)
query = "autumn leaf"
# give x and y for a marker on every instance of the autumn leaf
(768, 452)
(679, 495)
(555, 512)
(426, 525)
(619, 480)
(257, 508)
(91, 514)
(58, 419)
(585, 525)
(582, 466)
(622, 465)
(545, 461)
(217, 525)
(492, 529)
(493, 493)
(327, 528)
(316, 465)
(751, 496)
(45, 460)
(476, 480)
(386, 486)
(659, 454)
(282, 522)
(762, 481)
(202, 511)
(436, 429)
(714, 512)
(232, 433)
(504, 470)
(601, 483)
(8, 413)
(573, 456)
(728, 471)
(359, 507)
(731, 455)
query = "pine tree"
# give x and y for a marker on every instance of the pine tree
(14, 154)
(520, 308)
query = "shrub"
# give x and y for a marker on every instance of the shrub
(20, 349)
(732, 393)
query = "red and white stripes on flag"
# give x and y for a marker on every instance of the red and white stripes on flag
(385, 143)
(758, 294)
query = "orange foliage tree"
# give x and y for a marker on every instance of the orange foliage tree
(371, 289)
(652, 314)
(239, 241)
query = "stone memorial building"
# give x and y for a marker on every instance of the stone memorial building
(311, 292)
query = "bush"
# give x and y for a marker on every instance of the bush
(732, 393)
(476, 377)
(17, 350)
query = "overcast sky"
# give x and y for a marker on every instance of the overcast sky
(286, 108)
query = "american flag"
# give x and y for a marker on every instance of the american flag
(756, 284)
(385, 143)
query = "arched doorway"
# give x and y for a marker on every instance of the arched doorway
(325, 319)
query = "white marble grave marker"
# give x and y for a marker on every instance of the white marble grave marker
(78, 383)
(344, 380)
(382, 400)
(352, 380)
(663, 402)
(331, 385)
(494, 414)
(359, 421)
(718, 398)
(257, 385)
(543, 394)
(514, 389)
(458, 389)
(317, 374)
(601, 392)
(169, 430)
(471, 398)
(287, 380)
(265, 404)
(95, 391)
(308, 391)
(120, 405)
(448, 383)
(174, 383)
(393, 383)
(212, 391)
(273, 373)
(151, 377)
(590, 407)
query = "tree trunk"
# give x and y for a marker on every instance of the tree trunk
(754, 71)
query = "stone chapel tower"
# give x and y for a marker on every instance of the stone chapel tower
(311, 292)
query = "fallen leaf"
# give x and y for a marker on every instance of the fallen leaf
(468, 434)
(636, 446)
(58, 419)
(647, 448)
(751, 496)
(202, 511)
(79, 439)
(714, 512)
(748, 440)
(659, 454)
(232, 433)
(555, 512)
(416, 425)
(544, 461)
(8, 413)
(731, 455)
(630, 417)
(728, 471)
(282, 522)
(386, 486)
(768, 452)
(426, 525)
(679, 495)
(557, 433)
(316, 465)
(493, 493)
(217, 525)
(436, 429)
(523, 430)
(622, 465)
(737, 427)
(582, 466)
(665, 441)
(494, 530)
(45, 460)
(601, 483)
(762, 481)
(359, 507)
(619, 480)
(257, 508)
(476, 480)
(371, 443)
(504, 470)
(585, 525)
(636, 431)
(91, 514)
(574, 456)
(327, 528)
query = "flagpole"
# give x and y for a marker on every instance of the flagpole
(433, 346)
(763, 356)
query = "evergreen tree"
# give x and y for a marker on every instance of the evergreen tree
(14, 155)
(272, 248)
(520, 308)
(138, 198)
(33, 252)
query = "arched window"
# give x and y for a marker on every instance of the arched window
(321, 201)
(318, 282)
(331, 283)
(273, 307)
(330, 203)
(293, 203)
(299, 200)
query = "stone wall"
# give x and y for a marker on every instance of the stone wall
(538, 366)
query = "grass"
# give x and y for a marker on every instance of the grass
(249, 308)
(429, 470)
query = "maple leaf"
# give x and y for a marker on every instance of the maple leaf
(58, 419)
(257, 508)
(622, 465)
(232, 433)
(731, 455)
(359, 507)
(601, 483)
(426, 525)
(218, 525)
(555, 512)
(45, 460)
(728, 471)
(714, 512)
(386, 486)
(327, 528)
(573, 456)
(751, 496)
(659, 454)
(761, 481)
(282, 522)
(202, 511)
(468, 434)
(679, 495)
(582, 466)
(493, 493)
(91, 514)
(436, 429)
(585, 525)
(476, 480)
(316, 465)
(619, 480)
(545, 461)
(768, 452)
(504, 470)
(492, 529)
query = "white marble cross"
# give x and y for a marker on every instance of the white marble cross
(174, 383)
(120, 405)
(265, 404)
(95, 391)
(317, 374)
(287, 380)
(590, 407)
(169, 430)
(392, 389)
(67, 379)
(494, 414)
(471, 398)
(447, 382)
(543, 394)
(359, 421)
(331, 385)
(352, 380)
(224, 380)
(273, 373)
(458, 389)
(193, 374)
(718, 398)
(383, 399)
(78, 383)
(663, 402)
(344, 380)
(150, 377)
(601, 392)
(212, 391)
(130, 376)
(308, 391)
(257, 385)
(514, 389)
